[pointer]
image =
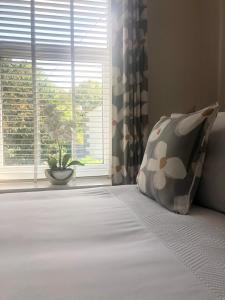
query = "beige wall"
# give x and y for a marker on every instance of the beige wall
(183, 53)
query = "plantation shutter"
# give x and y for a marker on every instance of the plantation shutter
(54, 53)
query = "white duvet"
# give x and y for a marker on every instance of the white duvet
(100, 244)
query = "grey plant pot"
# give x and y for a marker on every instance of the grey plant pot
(59, 177)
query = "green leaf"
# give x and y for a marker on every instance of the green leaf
(52, 162)
(75, 163)
(65, 160)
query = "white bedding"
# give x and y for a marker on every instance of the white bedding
(107, 244)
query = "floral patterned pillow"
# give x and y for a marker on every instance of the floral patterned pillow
(174, 157)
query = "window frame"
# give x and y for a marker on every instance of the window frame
(82, 54)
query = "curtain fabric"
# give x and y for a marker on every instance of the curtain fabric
(129, 88)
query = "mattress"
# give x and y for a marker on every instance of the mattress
(106, 244)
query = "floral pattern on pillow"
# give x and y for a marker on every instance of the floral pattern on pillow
(158, 130)
(189, 123)
(174, 158)
(164, 166)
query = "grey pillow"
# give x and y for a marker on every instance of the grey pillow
(211, 190)
(173, 158)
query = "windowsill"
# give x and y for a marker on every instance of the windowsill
(44, 185)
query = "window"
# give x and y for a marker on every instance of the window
(54, 53)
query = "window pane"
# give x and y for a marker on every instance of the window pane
(89, 112)
(53, 96)
(17, 112)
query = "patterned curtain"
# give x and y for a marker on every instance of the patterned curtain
(129, 88)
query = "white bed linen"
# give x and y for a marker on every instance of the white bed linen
(96, 244)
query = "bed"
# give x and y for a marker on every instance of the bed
(107, 243)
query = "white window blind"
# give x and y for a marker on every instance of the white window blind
(54, 53)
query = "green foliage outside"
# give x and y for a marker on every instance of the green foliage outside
(18, 117)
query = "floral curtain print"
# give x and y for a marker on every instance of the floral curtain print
(129, 88)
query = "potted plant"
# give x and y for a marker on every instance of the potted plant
(60, 130)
